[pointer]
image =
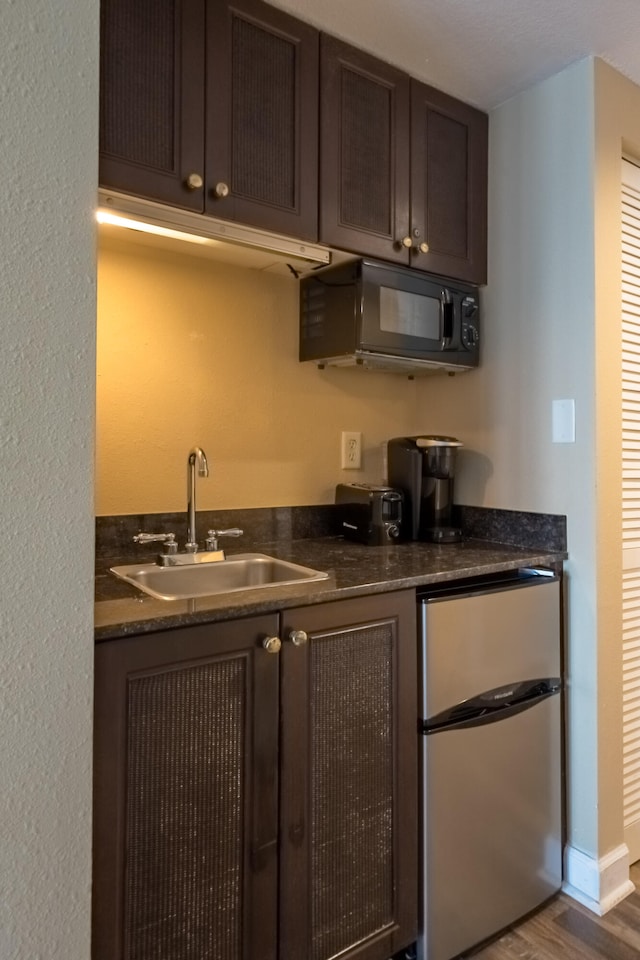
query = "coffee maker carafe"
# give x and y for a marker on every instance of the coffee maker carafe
(423, 469)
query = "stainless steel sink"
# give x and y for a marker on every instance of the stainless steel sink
(244, 571)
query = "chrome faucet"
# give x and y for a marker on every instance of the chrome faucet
(170, 557)
(197, 455)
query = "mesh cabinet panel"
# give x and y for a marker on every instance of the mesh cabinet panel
(138, 41)
(264, 120)
(352, 744)
(185, 794)
(366, 154)
(447, 179)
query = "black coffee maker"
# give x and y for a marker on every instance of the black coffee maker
(423, 469)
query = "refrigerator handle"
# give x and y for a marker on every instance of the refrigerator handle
(491, 706)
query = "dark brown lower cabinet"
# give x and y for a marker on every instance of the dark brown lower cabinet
(348, 801)
(251, 805)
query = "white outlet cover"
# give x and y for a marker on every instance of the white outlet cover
(351, 450)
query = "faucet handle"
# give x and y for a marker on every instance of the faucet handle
(214, 535)
(168, 539)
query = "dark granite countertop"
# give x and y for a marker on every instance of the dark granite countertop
(354, 570)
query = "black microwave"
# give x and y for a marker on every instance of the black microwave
(380, 316)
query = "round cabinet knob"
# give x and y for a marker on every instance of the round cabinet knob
(407, 242)
(221, 190)
(194, 181)
(394, 531)
(424, 247)
(272, 644)
(298, 638)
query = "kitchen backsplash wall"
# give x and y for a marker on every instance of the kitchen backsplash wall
(193, 351)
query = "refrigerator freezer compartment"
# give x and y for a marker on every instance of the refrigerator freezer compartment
(486, 639)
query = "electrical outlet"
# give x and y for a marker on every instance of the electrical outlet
(351, 450)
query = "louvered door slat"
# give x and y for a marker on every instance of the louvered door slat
(630, 377)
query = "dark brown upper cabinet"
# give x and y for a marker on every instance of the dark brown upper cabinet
(364, 158)
(152, 98)
(403, 167)
(262, 118)
(212, 106)
(448, 184)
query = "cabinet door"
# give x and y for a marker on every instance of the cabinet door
(349, 745)
(262, 118)
(448, 185)
(364, 159)
(152, 98)
(185, 795)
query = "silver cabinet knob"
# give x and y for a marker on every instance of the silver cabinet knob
(272, 644)
(221, 189)
(424, 247)
(407, 242)
(194, 181)
(298, 637)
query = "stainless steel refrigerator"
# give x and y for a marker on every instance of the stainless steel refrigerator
(491, 757)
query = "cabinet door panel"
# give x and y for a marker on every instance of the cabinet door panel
(349, 793)
(186, 795)
(364, 161)
(449, 185)
(152, 98)
(262, 105)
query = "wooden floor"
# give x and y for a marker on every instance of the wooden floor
(567, 930)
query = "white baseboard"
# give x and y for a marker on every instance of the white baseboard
(598, 884)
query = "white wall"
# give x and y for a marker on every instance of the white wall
(544, 340)
(48, 156)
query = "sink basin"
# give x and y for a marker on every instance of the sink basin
(244, 571)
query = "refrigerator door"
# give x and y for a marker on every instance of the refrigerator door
(488, 639)
(491, 826)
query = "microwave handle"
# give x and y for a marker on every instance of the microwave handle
(446, 315)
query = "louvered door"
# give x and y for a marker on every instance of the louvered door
(631, 501)
(348, 817)
(185, 795)
(364, 160)
(152, 99)
(262, 118)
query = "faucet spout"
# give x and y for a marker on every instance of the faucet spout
(196, 456)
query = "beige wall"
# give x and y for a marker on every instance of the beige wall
(49, 162)
(191, 351)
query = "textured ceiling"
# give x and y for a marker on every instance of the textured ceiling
(483, 51)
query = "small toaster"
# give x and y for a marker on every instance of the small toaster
(369, 513)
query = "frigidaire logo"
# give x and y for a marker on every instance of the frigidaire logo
(503, 696)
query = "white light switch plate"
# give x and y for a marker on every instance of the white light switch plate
(563, 421)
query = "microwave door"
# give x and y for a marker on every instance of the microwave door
(404, 321)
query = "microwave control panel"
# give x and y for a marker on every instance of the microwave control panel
(468, 327)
